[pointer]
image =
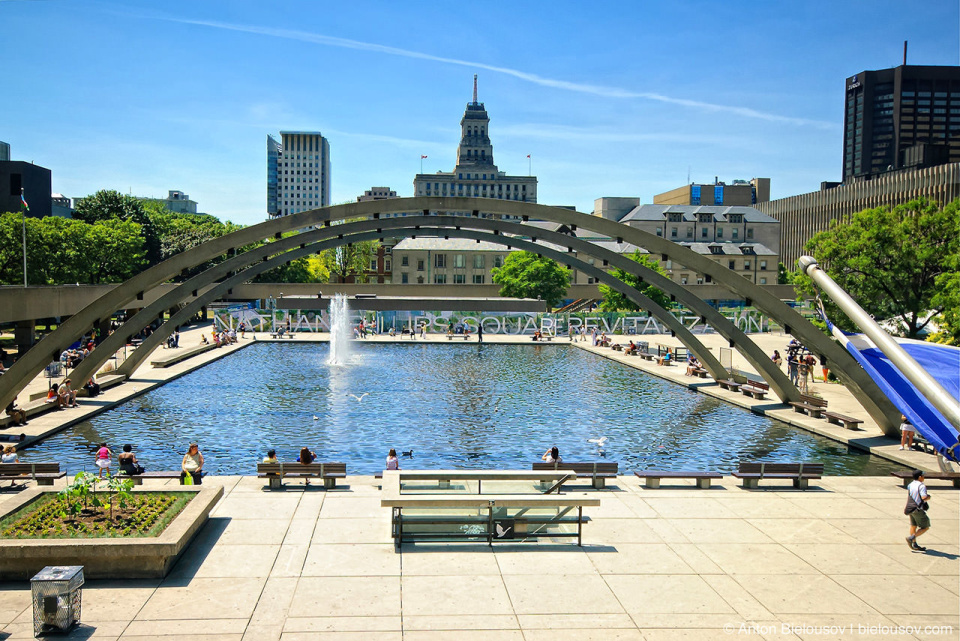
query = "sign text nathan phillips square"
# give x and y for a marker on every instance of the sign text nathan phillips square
(303, 320)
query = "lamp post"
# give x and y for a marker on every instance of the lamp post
(24, 209)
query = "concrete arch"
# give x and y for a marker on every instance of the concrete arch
(864, 388)
(778, 381)
(331, 237)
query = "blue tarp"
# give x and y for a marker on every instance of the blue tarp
(940, 361)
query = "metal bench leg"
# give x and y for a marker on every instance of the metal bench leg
(652, 482)
(703, 484)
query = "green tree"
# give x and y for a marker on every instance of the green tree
(107, 204)
(614, 301)
(947, 298)
(785, 276)
(349, 260)
(526, 275)
(891, 261)
(180, 232)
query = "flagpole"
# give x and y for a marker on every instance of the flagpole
(529, 165)
(23, 216)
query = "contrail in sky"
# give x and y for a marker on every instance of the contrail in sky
(597, 90)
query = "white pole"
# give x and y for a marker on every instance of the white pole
(24, 224)
(926, 384)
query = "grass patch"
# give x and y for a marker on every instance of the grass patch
(146, 514)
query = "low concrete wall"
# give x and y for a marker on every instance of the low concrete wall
(108, 558)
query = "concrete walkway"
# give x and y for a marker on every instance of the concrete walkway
(673, 563)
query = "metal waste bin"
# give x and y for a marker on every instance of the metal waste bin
(56, 597)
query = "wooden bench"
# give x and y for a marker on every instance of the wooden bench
(730, 384)
(756, 389)
(652, 477)
(597, 472)
(463, 336)
(700, 372)
(138, 478)
(840, 419)
(617, 347)
(647, 356)
(42, 473)
(32, 409)
(907, 476)
(811, 405)
(922, 444)
(799, 473)
(105, 382)
(174, 356)
(276, 472)
(283, 335)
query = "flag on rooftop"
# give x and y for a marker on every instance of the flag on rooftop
(422, 156)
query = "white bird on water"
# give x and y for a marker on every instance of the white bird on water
(599, 441)
(359, 398)
(316, 418)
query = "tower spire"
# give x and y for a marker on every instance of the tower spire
(474, 88)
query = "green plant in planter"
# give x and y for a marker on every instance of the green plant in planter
(75, 496)
(120, 490)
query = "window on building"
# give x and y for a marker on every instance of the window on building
(719, 232)
(689, 232)
(746, 265)
(732, 264)
(479, 261)
(749, 232)
(459, 260)
(763, 281)
(387, 265)
(459, 279)
(736, 233)
(703, 232)
(440, 261)
(404, 261)
(420, 265)
(440, 279)
(404, 278)
(763, 265)
(659, 232)
(673, 232)
(478, 279)
(498, 260)
(684, 279)
(419, 280)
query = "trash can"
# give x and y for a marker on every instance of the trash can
(56, 597)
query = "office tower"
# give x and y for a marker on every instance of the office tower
(302, 172)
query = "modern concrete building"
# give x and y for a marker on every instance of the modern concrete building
(177, 202)
(303, 172)
(904, 117)
(614, 208)
(377, 193)
(475, 173)
(273, 159)
(61, 205)
(4, 150)
(741, 193)
(802, 216)
(35, 182)
(740, 238)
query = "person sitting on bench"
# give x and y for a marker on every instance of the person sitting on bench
(193, 465)
(665, 359)
(92, 387)
(306, 458)
(128, 461)
(17, 414)
(692, 365)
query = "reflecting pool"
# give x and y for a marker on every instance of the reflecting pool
(453, 406)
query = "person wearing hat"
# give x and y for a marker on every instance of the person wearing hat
(916, 509)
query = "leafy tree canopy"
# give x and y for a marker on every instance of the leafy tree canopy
(108, 204)
(526, 275)
(614, 301)
(341, 263)
(894, 262)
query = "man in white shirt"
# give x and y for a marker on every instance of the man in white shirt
(917, 497)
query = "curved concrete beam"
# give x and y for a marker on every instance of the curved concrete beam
(860, 384)
(308, 245)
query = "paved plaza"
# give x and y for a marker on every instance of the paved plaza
(672, 563)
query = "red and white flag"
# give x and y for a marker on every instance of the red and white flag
(422, 157)
(528, 155)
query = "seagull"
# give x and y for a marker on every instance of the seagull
(501, 532)
(599, 441)
(359, 398)
(316, 418)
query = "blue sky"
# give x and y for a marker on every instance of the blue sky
(610, 99)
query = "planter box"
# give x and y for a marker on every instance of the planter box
(108, 558)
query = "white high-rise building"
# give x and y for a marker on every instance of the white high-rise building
(303, 172)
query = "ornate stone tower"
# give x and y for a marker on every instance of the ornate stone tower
(475, 151)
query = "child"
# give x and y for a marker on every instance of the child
(103, 459)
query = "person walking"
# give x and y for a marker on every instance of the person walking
(916, 509)
(480, 332)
